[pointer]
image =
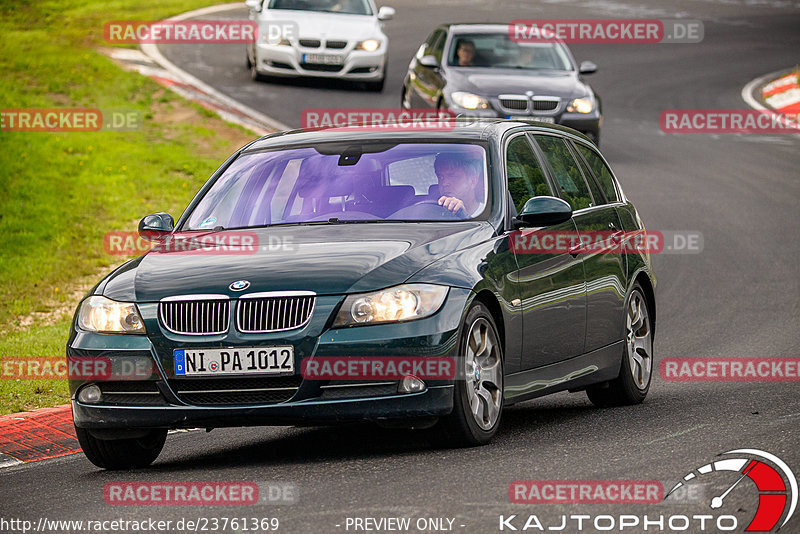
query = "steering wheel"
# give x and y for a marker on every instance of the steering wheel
(435, 211)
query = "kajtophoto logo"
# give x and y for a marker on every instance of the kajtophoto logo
(770, 475)
(734, 473)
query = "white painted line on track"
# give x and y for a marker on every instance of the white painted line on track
(152, 51)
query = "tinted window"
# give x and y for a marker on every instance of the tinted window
(304, 185)
(600, 170)
(593, 187)
(566, 171)
(497, 50)
(525, 176)
(345, 7)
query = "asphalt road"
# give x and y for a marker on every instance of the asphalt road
(738, 297)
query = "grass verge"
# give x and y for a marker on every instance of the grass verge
(61, 192)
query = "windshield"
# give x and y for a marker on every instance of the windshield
(334, 184)
(497, 50)
(346, 7)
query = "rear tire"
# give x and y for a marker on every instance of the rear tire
(636, 371)
(126, 453)
(478, 393)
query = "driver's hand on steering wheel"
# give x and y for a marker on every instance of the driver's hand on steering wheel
(452, 203)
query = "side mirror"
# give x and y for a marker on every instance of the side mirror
(253, 5)
(156, 225)
(386, 13)
(587, 67)
(429, 61)
(543, 211)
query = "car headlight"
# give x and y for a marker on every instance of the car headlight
(369, 45)
(275, 40)
(105, 316)
(399, 303)
(581, 105)
(469, 100)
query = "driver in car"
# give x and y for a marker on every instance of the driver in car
(459, 179)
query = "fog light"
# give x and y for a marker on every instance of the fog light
(90, 395)
(410, 384)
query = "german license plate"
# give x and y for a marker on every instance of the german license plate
(550, 120)
(277, 360)
(323, 59)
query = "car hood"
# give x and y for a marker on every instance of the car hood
(326, 25)
(329, 260)
(493, 82)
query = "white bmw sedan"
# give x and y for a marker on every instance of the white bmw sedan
(322, 38)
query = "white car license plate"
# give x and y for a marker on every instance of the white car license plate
(277, 360)
(323, 59)
(550, 120)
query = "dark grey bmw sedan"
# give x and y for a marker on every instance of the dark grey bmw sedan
(419, 278)
(478, 70)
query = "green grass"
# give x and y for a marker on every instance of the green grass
(39, 340)
(61, 192)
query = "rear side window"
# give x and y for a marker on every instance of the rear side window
(525, 176)
(566, 171)
(601, 171)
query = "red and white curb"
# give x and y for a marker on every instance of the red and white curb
(777, 93)
(42, 434)
(150, 62)
(38, 435)
(783, 94)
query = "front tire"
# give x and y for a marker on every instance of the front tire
(125, 453)
(478, 395)
(636, 371)
(377, 87)
(254, 74)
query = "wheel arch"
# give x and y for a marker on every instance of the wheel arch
(649, 294)
(488, 299)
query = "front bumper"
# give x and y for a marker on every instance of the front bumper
(586, 123)
(435, 401)
(160, 403)
(287, 61)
